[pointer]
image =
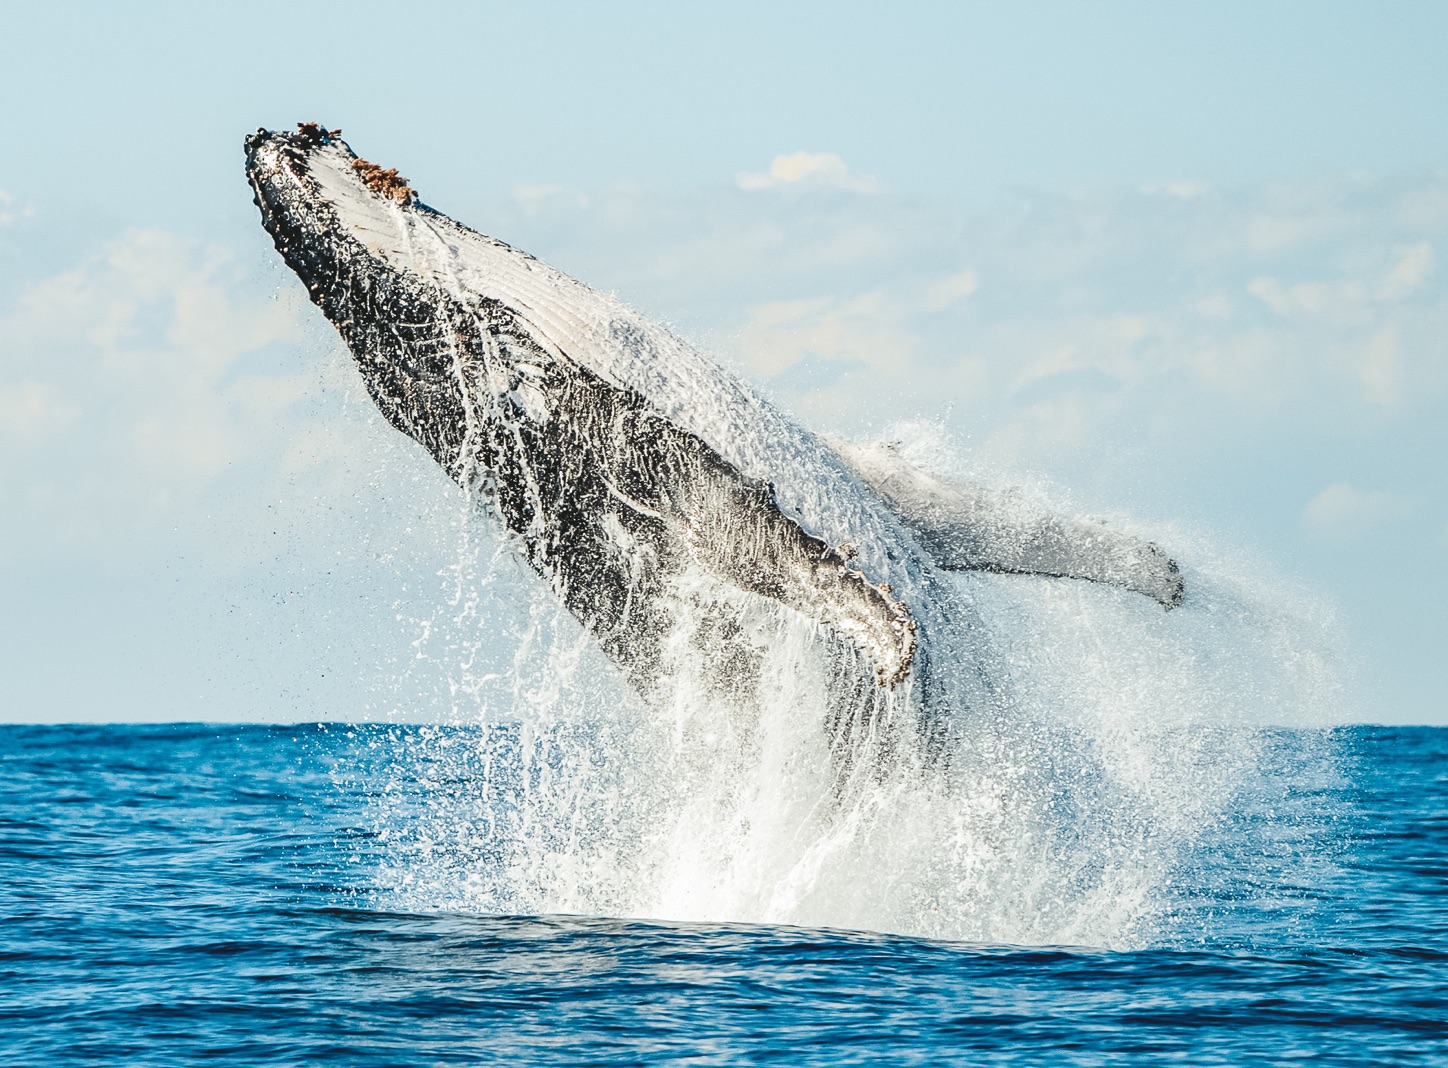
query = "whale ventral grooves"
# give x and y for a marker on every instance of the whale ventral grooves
(634, 476)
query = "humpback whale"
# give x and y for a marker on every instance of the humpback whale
(679, 516)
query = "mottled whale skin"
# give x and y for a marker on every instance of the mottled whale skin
(673, 511)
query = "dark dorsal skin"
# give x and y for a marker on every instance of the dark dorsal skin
(608, 501)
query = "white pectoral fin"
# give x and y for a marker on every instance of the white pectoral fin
(992, 535)
(967, 529)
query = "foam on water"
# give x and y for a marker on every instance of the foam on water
(1131, 744)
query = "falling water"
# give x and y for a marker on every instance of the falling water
(1133, 742)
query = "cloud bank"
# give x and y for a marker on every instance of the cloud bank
(1271, 362)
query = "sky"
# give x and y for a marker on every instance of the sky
(1181, 264)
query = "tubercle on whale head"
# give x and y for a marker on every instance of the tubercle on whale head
(315, 131)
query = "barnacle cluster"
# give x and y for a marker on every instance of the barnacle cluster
(387, 182)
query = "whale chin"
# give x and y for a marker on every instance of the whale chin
(692, 529)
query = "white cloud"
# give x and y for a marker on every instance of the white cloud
(1105, 345)
(1253, 369)
(942, 294)
(875, 329)
(1271, 234)
(1372, 326)
(1215, 306)
(1382, 368)
(1178, 190)
(861, 330)
(808, 169)
(10, 210)
(34, 411)
(1344, 513)
(537, 199)
(1119, 309)
(1346, 299)
(146, 372)
(1341, 301)
(1408, 274)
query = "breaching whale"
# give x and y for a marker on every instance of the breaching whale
(682, 519)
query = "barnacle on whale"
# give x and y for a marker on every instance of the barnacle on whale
(387, 182)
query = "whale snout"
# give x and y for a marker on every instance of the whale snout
(312, 188)
(337, 171)
(313, 133)
(274, 165)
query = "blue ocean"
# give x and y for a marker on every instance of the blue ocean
(388, 895)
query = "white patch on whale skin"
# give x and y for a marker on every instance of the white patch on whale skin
(573, 322)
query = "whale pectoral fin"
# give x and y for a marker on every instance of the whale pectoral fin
(968, 529)
(816, 580)
(992, 536)
(737, 530)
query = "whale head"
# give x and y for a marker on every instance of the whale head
(344, 225)
(320, 201)
(443, 321)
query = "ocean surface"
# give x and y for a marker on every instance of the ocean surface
(178, 893)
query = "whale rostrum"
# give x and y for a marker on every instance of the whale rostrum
(665, 504)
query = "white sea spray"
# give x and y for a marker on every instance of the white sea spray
(1133, 740)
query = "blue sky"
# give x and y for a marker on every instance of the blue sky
(1177, 263)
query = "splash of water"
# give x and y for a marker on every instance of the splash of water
(1073, 814)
